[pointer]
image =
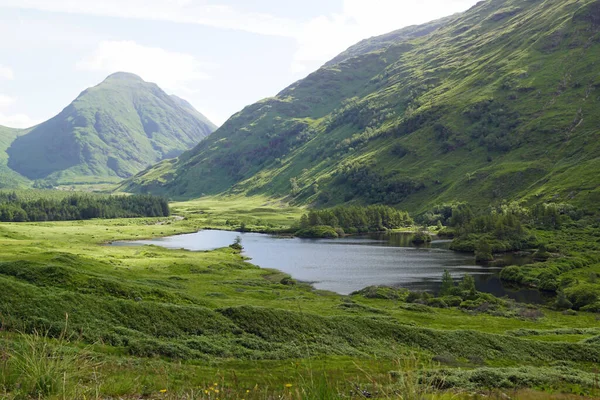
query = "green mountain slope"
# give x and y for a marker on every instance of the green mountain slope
(188, 107)
(500, 102)
(112, 130)
(8, 177)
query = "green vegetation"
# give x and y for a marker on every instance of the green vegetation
(77, 207)
(111, 131)
(132, 321)
(496, 106)
(352, 220)
(497, 103)
(8, 177)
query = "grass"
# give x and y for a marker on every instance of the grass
(149, 319)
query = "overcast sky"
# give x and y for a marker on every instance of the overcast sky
(220, 55)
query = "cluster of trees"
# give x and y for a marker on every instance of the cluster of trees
(494, 124)
(495, 230)
(356, 219)
(498, 229)
(13, 208)
(541, 216)
(375, 187)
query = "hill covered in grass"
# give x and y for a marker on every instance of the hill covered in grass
(499, 102)
(8, 177)
(111, 131)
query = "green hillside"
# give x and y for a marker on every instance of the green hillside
(8, 177)
(500, 102)
(111, 131)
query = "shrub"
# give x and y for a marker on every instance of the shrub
(483, 251)
(582, 295)
(452, 301)
(437, 302)
(421, 238)
(413, 297)
(317, 232)
(562, 303)
(512, 273)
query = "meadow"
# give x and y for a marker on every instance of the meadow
(81, 319)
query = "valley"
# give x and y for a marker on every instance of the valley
(183, 319)
(416, 219)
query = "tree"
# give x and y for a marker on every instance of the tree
(447, 283)
(237, 244)
(468, 284)
(295, 188)
(304, 221)
(562, 303)
(483, 251)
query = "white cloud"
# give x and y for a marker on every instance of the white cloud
(200, 12)
(14, 120)
(6, 73)
(6, 100)
(319, 39)
(168, 69)
(17, 120)
(326, 36)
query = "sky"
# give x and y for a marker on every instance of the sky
(220, 55)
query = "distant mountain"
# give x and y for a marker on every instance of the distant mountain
(187, 106)
(112, 130)
(8, 177)
(501, 102)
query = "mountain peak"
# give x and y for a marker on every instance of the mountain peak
(112, 130)
(126, 76)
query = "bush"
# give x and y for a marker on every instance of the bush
(413, 297)
(380, 292)
(595, 307)
(452, 301)
(582, 295)
(562, 303)
(512, 274)
(483, 251)
(317, 232)
(437, 302)
(421, 238)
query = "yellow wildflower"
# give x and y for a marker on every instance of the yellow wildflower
(288, 385)
(163, 390)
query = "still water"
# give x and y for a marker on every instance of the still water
(352, 263)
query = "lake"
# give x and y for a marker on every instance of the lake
(348, 264)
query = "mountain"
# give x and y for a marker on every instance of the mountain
(499, 102)
(189, 108)
(8, 177)
(112, 130)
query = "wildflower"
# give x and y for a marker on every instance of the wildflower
(247, 390)
(216, 390)
(215, 384)
(163, 390)
(288, 385)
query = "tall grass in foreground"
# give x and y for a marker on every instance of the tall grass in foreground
(37, 366)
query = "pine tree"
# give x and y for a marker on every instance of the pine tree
(447, 283)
